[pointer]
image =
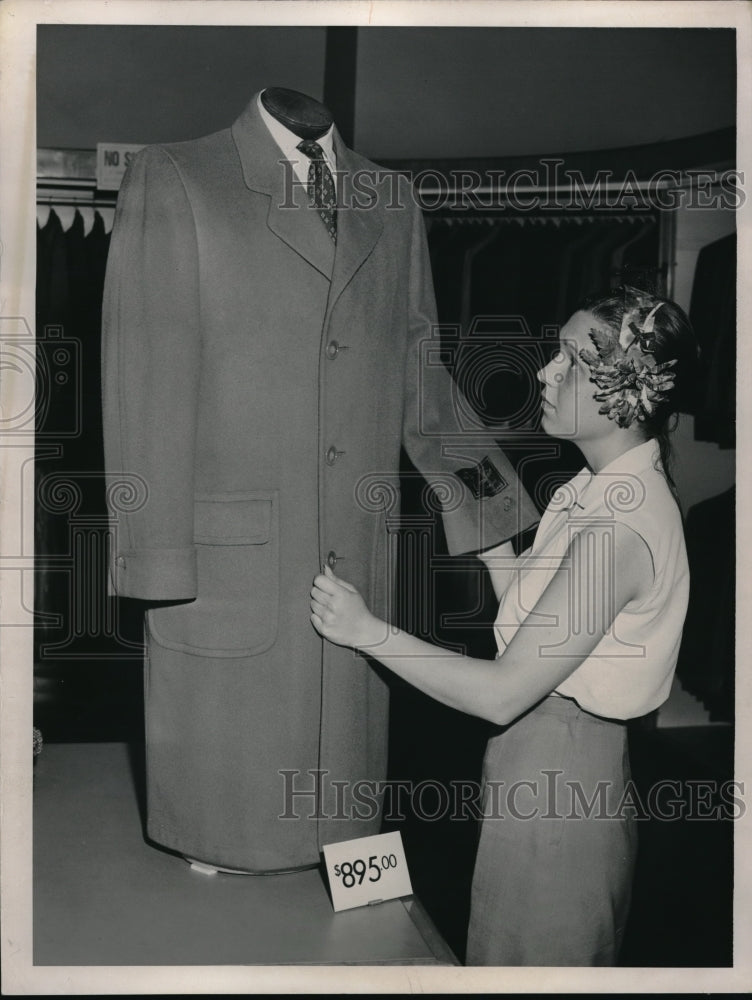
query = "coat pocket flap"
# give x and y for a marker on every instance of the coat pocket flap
(233, 518)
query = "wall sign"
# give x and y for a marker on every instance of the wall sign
(112, 161)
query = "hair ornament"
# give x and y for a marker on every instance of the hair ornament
(630, 381)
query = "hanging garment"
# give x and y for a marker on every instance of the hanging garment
(55, 411)
(495, 299)
(636, 263)
(572, 231)
(518, 275)
(448, 245)
(707, 656)
(634, 252)
(258, 384)
(542, 269)
(470, 310)
(596, 274)
(713, 315)
(52, 273)
(95, 249)
(77, 454)
(574, 256)
(70, 563)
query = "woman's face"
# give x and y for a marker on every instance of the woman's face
(569, 407)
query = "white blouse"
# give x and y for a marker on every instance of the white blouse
(629, 672)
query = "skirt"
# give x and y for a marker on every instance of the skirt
(553, 874)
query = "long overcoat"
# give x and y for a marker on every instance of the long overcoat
(258, 383)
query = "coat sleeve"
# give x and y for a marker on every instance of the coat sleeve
(482, 500)
(150, 377)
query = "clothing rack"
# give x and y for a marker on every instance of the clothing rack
(538, 219)
(78, 199)
(88, 209)
(66, 178)
(629, 220)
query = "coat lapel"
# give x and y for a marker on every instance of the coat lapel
(358, 227)
(290, 216)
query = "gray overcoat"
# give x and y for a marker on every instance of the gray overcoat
(258, 384)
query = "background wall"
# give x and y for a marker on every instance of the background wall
(144, 84)
(507, 91)
(421, 92)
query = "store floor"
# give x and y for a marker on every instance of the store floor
(103, 896)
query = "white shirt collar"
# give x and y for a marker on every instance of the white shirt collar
(630, 463)
(288, 143)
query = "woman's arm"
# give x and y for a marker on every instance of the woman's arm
(500, 562)
(604, 568)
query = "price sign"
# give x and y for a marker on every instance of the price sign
(367, 870)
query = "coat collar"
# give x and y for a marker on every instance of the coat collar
(291, 218)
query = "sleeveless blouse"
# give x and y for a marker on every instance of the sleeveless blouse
(629, 673)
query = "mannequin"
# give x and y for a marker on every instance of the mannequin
(303, 115)
(259, 381)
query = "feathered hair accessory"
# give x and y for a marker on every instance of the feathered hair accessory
(631, 383)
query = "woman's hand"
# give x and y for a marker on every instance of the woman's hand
(340, 614)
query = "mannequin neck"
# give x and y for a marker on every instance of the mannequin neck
(302, 115)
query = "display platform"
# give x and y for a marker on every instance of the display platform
(104, 896)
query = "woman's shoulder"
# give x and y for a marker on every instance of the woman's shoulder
(639, 494)
(640, 504)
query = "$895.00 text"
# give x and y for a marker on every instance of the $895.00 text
(354, 872)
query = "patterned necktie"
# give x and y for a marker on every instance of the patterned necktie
(321, 185)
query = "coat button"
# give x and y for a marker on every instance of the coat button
(332, 455)
(331, 559)
(332, 350)
(121, 561)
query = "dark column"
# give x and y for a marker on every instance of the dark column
(339, 78)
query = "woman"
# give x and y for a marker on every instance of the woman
(588, 631)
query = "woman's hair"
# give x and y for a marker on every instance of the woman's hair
(674, 340)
